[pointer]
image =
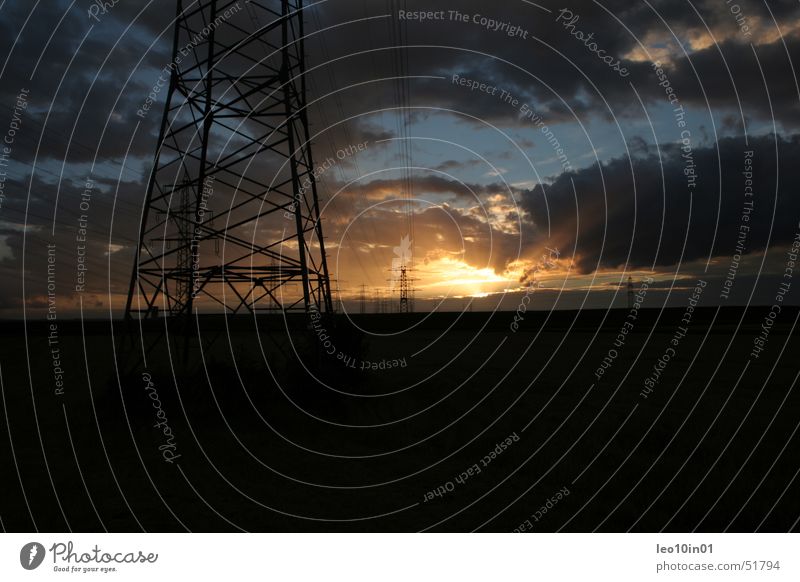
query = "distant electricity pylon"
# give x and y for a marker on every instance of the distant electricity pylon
(362, 299)
(402, 282)
(234, 141)
(400, 269)
(381, 302)
(405, 305)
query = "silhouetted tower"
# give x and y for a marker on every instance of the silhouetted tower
(630, 293)
(382, 302)
(362, 299)
(336, 294)
(400, 269)
(183, 256)
(404, 303)
(402, 282)
(234, 140)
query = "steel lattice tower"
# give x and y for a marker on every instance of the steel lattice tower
(405, 305)
(362, 299)
(231, 215)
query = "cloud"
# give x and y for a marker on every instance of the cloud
(641, 213)
(556, 73)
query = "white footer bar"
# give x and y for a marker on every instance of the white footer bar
(400, 557)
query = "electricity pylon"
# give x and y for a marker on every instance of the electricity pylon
(233, 143)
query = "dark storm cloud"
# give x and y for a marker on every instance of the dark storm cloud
(638, 212)
(81, 106)
(27, 224)
(468, 42)
(571, 93)
(452, 165)
(554, 71)
(740, 74)
(390, 188)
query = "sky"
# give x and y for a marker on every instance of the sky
(549, 148)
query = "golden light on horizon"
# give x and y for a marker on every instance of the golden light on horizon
(447, 276)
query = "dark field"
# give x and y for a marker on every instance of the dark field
(256, 443)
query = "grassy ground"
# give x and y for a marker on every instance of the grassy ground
(265, 446)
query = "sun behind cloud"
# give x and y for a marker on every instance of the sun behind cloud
(452, 277)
